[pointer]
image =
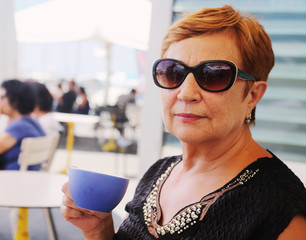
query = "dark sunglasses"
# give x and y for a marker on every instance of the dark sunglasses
(212, 76)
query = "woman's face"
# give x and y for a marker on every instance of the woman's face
(5, 107)
(195, 115)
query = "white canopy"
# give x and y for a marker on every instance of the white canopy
(123, 22)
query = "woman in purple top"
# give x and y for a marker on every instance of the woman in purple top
(17, 102)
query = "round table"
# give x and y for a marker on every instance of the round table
(32, 189)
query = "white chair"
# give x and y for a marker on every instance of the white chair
(37, 150)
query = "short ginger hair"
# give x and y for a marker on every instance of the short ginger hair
(254, 43)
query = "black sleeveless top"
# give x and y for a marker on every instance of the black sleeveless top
(258, 204)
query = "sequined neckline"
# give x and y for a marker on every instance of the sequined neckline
(189, 215)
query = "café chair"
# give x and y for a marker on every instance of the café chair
(35, 150)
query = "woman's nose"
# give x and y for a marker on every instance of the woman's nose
(189, 91)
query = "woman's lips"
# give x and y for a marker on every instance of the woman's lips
(188, 117)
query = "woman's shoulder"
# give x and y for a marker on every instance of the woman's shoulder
(25, 127)
(272, 198)
(277, 172)
(15, 125)
(276, 185)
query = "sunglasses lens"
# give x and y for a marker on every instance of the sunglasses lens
(214, 76)
(169, 74)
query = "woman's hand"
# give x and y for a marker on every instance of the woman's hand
(94, 225)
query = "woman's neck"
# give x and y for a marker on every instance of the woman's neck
(14, 116)
(235, 154)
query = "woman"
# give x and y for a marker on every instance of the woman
(43, 109)
(17, 102)
(225, 185)
(83, 103)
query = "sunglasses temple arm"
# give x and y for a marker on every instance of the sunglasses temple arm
(245, 76)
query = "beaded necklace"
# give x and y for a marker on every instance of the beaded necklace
(191, 214)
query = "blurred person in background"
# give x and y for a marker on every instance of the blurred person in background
(43, 109)
(82, 102)
(126, 99)
(57, 93)
(67, 101)
(17, 102)
(120, 110)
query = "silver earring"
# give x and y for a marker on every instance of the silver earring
(248, 118)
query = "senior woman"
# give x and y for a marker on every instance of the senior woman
(213, 72)
(17, 102)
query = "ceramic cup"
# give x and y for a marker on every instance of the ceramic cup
(96, 191)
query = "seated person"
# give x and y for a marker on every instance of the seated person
(125, 99)
(120, 110)
(17, 102)
(43, 109)
(83, 103)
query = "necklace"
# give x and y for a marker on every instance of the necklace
(188, 216)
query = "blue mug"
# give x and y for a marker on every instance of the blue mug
(96, 191)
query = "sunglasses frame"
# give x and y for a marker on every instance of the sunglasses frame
(236, 73)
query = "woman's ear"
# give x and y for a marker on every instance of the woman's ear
(256, 93)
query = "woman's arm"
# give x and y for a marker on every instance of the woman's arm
(93, 225)
(6, 142)
(296, 230)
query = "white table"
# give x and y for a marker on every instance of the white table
(71, 119)
(76, 118)
(32, 189)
